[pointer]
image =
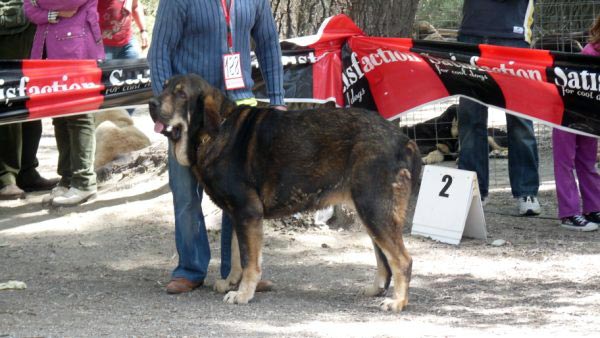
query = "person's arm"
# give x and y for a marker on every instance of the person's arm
(168, 28)
(140, 21)
(268, 53)
(60, 5)
(50, 11)
(38, 15)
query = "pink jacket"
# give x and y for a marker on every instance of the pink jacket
(590, 49)
(77, 37)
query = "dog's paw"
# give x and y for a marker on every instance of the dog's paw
(433, 157)
(236, 297)
(223, 285)
(499, 153)
(373, 291)
(395, 305)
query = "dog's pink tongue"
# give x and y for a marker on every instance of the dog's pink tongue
(158, 126)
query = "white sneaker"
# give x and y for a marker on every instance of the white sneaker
(56, 191)
(529, 206)
(73, 197)
(578, 223)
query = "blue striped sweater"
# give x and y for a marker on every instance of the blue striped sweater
(190, 36)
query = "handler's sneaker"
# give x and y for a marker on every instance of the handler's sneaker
(56, 191)
(484, 200)
(578, 223)
(529, 206)
(593, 217)
(73, 197)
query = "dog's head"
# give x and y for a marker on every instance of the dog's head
(187, 110)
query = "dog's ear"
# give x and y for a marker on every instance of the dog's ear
(212, 116)
(204, 113)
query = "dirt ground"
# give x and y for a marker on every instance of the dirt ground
(100, 270)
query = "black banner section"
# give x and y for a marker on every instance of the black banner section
(12, 97)
(126, 82)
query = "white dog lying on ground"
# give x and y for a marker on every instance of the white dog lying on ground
(116, 135)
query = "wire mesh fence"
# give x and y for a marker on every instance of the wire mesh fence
(563, 25)
(560, 25)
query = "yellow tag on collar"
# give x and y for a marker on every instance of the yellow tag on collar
(249, 102)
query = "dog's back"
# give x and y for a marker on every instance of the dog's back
(302, 160)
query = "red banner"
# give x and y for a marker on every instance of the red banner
(341, 64)
(394, 75)
(34, 89)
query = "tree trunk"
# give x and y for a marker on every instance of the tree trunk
(376, 17)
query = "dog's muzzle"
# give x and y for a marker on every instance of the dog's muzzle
(171, 132)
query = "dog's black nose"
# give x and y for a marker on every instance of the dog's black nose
(153, 103)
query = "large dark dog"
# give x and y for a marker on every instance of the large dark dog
(260, 163)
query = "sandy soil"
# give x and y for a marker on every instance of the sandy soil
(100, 270)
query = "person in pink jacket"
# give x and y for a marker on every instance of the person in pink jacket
(572, 151)
(69, 29)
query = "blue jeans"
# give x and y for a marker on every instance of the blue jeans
(472, 127)
(128, 51)
(191, 238)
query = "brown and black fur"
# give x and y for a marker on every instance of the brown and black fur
(258, 163)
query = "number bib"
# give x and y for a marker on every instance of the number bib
(232, 70)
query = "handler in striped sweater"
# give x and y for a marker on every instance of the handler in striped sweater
(200, 37)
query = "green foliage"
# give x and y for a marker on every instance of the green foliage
(440, 13)
(150, 7)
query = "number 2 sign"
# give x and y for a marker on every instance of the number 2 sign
(448, 180)
(449, 206)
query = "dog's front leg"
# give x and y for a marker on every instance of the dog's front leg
(250, 238)
(433, 157)
(235, 274)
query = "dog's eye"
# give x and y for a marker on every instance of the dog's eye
(181, 94)
(165, 84)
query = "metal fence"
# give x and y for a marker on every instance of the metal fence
(558, 25)
(563, 25)
(555, 21)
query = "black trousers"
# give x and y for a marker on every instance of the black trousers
(18, 141)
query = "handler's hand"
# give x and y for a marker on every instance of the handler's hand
(280, 107)
(144, 39)
(67, 14)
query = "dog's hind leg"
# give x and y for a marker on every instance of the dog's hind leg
(383, 276)
(235, 274)
(382, 208)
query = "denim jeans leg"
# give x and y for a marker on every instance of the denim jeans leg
(226, 233)
(472, 131)
(523, 158)
(128, 51)
(191, 238)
